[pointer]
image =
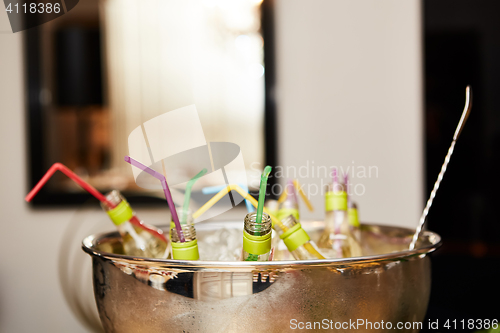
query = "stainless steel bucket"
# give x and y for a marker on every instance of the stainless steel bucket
(386, 290)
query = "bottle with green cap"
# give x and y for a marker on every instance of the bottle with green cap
(291, 205)
(295, 238)
(136, 241)
(337, 240)
(256, 238)
(185, 217)
(187, 250)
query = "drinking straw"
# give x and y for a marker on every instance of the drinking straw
(262, 193)
(166, 191)
(283, 196)
(291, 190)
(254, 202)
(303, 195)
(223, 192)
(460, 126)
(346, 183)
(335, 179)
(89, 188)
(61, 167)
(187, 195)
(215, 189)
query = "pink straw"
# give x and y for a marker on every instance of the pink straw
(335, 179)
(346, 184)
(166, 191)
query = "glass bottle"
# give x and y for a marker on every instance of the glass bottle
(181, 213)
(295, 238)
(288, 207)
(291, 205)
(256, 238)
(187, 250)
(337, 240)
(136, 241)
(272, 206)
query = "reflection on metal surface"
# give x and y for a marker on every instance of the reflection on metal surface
(147, 295)
(212, 286)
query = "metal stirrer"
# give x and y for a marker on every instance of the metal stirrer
(463, 119)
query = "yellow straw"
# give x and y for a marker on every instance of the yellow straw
(244, 194)
(313, 251)
(254, 202)
(303, 195)
(283, 196)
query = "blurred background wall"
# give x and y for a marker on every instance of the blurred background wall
(349, 94)
(348, 89)
(462, 47)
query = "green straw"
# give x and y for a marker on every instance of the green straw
(187, 195)
(262, 193)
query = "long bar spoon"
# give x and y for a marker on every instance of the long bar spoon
(461, 123)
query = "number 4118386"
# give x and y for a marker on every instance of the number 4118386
(475, 324)
(35, 8)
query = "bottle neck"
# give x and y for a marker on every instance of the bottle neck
(121, 212)
(253, 228)
(288, 222)
(187, 250)
(188, 230)
(115, 197)
(295, 236)
(256, 237)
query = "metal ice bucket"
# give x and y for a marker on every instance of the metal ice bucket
(388, 286)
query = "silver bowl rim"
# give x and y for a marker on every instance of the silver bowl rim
(91, 241)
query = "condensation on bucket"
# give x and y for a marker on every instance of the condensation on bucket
(142, 295)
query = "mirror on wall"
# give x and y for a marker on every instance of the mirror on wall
(108, 66)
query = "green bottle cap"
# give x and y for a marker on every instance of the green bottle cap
(285, 212)
(335, 201)
(186, 250)
(352, 214)
(256, 244)
(121, 213)
(295, 237)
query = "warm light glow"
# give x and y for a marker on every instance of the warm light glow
(162, 55)
(256, 70)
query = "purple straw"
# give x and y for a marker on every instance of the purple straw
(166, 191)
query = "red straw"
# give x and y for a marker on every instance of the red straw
(61, 167)
(89, 188)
